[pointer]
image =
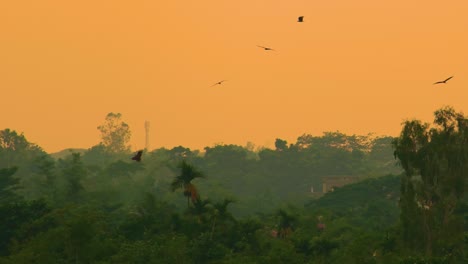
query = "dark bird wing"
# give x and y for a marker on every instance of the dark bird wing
(265, 48)
(444, 81)
(220, 82)
(448, 78)
(137, 157)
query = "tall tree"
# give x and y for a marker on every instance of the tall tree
(200, 209)
(44, 169)
(220, 212)
(15, 150)
(286, 223)
(184, 180)
(322, 248)
(115, 134)
(74, 172)
(435, 161)
(8, 185)
(281, 145)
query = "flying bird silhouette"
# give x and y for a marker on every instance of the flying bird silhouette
(137, 157)
(265, 48)
(300, 19)
(444, 81)
(218, 83)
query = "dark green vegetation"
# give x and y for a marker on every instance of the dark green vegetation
(234, 204)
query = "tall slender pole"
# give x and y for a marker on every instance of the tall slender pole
(147, 128)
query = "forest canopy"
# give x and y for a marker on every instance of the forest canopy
(240, 204)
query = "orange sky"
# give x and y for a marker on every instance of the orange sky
(355, 66)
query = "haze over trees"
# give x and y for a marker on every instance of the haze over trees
(115, 134)
(435, 160)
(240, 204)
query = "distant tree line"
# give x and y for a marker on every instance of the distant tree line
(238, 204)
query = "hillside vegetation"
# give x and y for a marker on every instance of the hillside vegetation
(238, 204)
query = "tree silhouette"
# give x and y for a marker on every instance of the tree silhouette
(435, 161)
(322, 248)
(15, 150)
(184, 181)
(74, 172)
(220, 212)
(286, 222)
(200, 208)
(44, 166)
(281, 145)
(115, 134)
(8, 185)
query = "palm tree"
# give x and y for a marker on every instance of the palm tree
(220, 211)
(322, 248)
(200, 209)
(286, 222)
(184, 180)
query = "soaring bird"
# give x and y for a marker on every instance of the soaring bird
(444, 81)
(300, 19)
(218, 83)
(137, 157)
(265, 48)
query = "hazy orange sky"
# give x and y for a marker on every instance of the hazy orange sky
(354, 66)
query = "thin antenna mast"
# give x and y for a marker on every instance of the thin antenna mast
(147, 128)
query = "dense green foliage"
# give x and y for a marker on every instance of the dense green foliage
(230, 204)
(435, 161)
